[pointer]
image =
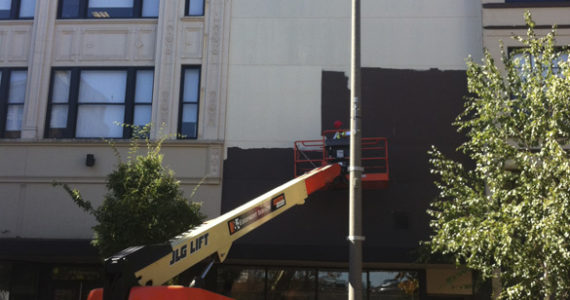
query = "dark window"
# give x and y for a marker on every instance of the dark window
(12, 95)
(189, 100)
(93, 103)
(393, 285)
(249, 282)
(242, 282)
(81, 9)
(290, 283)
(17, 9)
(194, 7)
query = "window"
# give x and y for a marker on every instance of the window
(92, 103)
(81, 9)
(190, 94)
(17, 9)
(520, 57)
(248, 282)
(12, 95)
(194, 7)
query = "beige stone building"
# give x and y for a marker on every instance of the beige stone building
(234, 83)
(70, 71)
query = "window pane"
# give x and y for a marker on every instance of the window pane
(189, 117)
(5, 270)
(110, 8)
(14, 117)
(17, 92)
(58, 116)
(5, 4)
(5, 9)
(24, 282)
(394, 285)
(69, 9)
(242, 283)
(142, 115)
(100, 121)
(27, 8)
(191, 85)
(333, 285)
(60, 93)
(291, 284)
(143, 92)
(150, 8)
(102, 86)
(196, 8)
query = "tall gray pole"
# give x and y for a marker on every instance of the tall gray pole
(355, 237)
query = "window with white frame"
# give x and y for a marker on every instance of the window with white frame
(189, 102)
(194, 7)
(12, 96)
(17, 9)
(520, 58)
(94, 102)
(81, 9)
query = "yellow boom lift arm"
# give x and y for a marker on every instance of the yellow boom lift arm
(154, 265)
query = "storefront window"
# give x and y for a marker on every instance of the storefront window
(24, 283)
(291, 284)
(5, 270)
(393, 285)
(242, 283)
(71, 283)
(333, 285)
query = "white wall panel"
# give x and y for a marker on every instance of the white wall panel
(272, 106)
(279, 49)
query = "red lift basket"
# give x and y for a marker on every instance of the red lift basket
(334, 147)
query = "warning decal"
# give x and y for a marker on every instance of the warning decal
(256, 213)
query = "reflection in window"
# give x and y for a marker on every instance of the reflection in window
(110, 9)
(291, 284)
(333, 285)
(93, 103)
(242, 283)
(190, 90)
(393, 285)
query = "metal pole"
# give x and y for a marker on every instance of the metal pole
(355, 237)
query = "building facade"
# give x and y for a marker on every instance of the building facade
(233, 84)
(71, 72)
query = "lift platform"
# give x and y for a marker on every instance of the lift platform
(334, 147)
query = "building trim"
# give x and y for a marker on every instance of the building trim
(526, 5)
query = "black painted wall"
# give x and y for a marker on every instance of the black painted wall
(413, 109)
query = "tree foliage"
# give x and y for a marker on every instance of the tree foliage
(509, 214)
(143, 205)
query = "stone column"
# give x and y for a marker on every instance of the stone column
(166, 81)
(39, 68)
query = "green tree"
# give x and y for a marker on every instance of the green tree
(507, 215)
(144, 203)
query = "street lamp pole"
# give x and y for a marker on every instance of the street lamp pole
(355, 237)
